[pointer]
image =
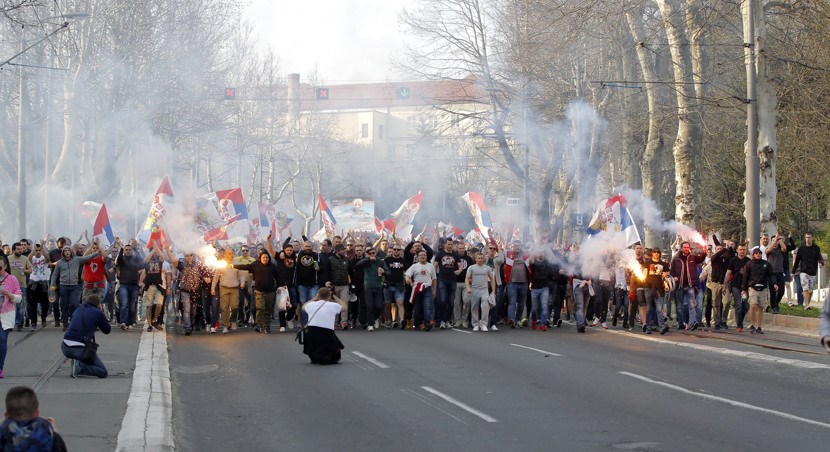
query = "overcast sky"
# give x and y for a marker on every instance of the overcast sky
(348, 40)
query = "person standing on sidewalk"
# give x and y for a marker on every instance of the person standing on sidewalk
(808, 260)
(12, 296)
(755, 288)
(86, 320)
(776, 253)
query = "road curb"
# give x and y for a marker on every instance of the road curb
(147, 423)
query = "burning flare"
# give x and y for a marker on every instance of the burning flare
(629, 259)
(213, 262)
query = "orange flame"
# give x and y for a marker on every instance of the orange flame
(213, 262)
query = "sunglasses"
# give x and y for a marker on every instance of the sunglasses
(397, 249)
(492, 248)
(244, 251)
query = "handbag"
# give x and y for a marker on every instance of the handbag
(90, 353)
(300, 337)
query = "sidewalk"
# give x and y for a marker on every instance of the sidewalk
(88, 411)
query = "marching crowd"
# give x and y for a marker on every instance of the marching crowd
(412, 285)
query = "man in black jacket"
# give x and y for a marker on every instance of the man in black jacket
(807, 262)
(755, 288)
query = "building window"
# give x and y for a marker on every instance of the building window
(380, 132)
(364, 131)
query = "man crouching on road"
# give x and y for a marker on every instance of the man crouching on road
(85, 321)
(321, 344)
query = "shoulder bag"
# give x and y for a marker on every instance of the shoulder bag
(300, 337)
(90, 346)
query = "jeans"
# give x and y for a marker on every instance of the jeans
(495, 310)
(96, 369)
(70, 299)
(654, 303)
(127, 299)
(620, 302)
(187, 304)
(606, 292)
(681, 306)
(422, 310)
(799, 292)
(374, 303)
(581, 295)
(687, 305)
(20, 308)
(741, 306)
(393, 292)
(446, 295)
(516, 295)
(539, 304)
(305, 293)
(4, 345)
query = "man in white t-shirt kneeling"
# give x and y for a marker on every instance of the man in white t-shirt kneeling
(321, 344)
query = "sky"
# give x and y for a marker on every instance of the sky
(348, 40)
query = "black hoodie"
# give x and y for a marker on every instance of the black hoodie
(265, 275)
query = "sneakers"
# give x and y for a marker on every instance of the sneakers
(752, 329)
(225, 330)
(664, 329)
(282, 329)
(595, 322)
(717, 327)
(372, 328)
(614, 322)
(150, 328)
(213, 330)
(441, 326)
(484, 328)
(73, 370)
(395, 325)
(187, 331)
(625, 326)
(258, 329)
(604, 325)
(559, 323)
(645, 328)
(267, 330)
(476, 328)
(123, 327)
(648, 330)
(739, 330)
(493, 328)
(759, 330)
(524, 323)
(429, 325)
(790, 304)
(543, 327)
(388, 325)
(377, 324)
(695, 326)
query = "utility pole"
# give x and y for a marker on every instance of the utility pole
(753, 200)
(21, 154)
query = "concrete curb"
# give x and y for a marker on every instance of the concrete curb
(147, 424)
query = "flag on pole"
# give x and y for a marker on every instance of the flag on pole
(478, 209)
(378, 225)
(327, 217)
(231, 204)
(405, 213)
(613, 215)
(102, 229)
(151, 233)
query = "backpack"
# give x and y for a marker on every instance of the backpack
(32, 435)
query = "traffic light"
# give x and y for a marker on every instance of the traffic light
(322, 93)
(230, 93)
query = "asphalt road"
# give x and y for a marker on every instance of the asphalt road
(512, 389)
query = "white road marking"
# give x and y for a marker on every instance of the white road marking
(147, 423)
(536, 350)
(789, 416)
(728, 351)
(425, 400)
(371, 360)
(461, 405)
(462, 331)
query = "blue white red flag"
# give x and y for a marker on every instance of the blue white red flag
(102, 229)
(612, 215)
(478, 209)
(405, 214)
(152, 234)
(231, 205)
(327, 217)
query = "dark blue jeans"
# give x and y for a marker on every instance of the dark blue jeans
(373, 297)
(70, 299)
(422, 310)
(446, 295)
(93, 370)
(127, 299)
(4, 345)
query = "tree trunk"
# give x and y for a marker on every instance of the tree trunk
(767, 105)
(649, 164)
(687, 143)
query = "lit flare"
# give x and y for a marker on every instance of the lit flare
(213, 262)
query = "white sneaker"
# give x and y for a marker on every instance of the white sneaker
(604, 325)
(494, 328)
(595, 322)
(441, 326)
(377, 324)
(476, 328)
(282, 329)
(484, 328)
(225, 330)
(370, 328)
(213, 330)
(790, 304)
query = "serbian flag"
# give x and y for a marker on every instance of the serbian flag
(326, 216)
(231, 205)
(405, 213)
(613, 216)
(378, 225)
(151, 233)
(102, 230)
(416, 289)
(265, 223)
(478, 209)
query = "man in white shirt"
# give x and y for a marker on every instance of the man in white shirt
(421, 276)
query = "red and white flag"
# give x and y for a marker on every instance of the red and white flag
(416, 289)
(151, 233)
(405, 213)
